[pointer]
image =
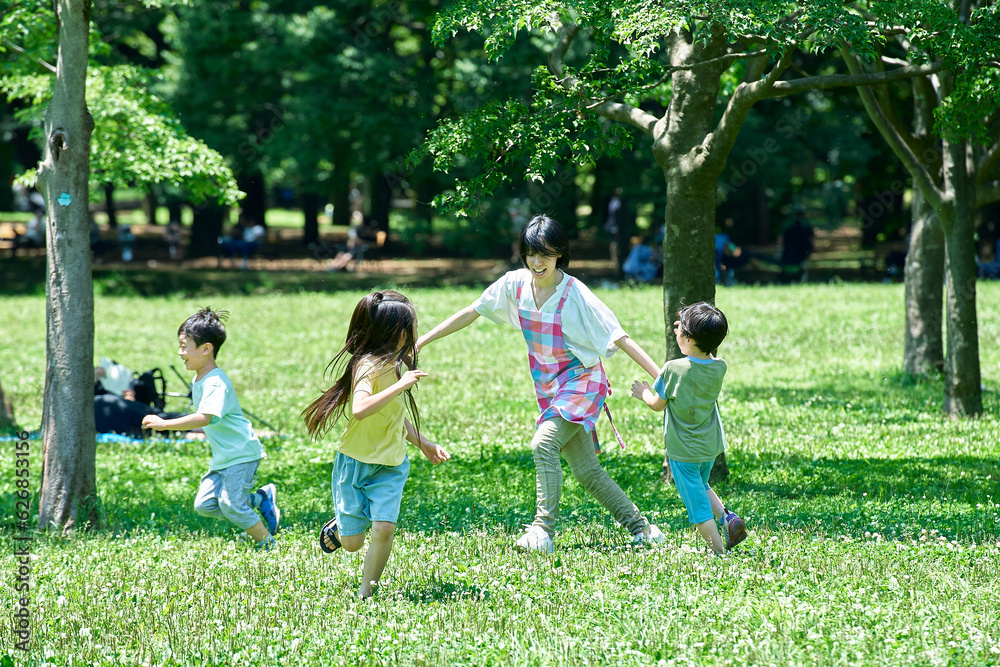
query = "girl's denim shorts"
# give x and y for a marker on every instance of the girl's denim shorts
(366, 492)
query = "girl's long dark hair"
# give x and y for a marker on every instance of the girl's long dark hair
(381, 321)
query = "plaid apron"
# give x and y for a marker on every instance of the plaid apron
(563, 385)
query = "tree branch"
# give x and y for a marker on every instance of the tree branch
(616, 111)
(565, 34)
(720, 142)
(895, 61)
(918, 171)
(41, 62)
(987, 193)
(676, 68)
(782, 88)
(986, 166)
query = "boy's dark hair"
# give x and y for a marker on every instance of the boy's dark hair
(544, 236)
(705, 324)
(206, 326)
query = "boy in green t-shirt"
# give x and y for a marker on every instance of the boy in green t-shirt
(224, 491)
(692, 430)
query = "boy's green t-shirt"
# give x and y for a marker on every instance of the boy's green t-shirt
(692, 428)
(230, 434)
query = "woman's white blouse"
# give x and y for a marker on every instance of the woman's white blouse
(589, 327)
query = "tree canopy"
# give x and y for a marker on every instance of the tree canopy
(137, 139)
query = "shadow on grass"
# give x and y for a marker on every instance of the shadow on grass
(826, 495)
(443, 591)
(956, 495)
(897, 399)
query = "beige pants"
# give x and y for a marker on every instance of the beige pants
(555, 436)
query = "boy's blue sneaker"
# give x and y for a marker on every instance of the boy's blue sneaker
(735, 528)
(269, 507)
(267, 544)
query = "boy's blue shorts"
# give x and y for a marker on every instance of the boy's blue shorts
(692, 485)
(366, 492)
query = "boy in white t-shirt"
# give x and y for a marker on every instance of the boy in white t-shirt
(224, 491)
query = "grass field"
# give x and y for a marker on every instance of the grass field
(874, 521)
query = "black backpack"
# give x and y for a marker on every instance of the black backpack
(150, 388)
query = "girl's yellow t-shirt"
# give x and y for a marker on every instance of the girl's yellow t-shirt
(379, 438)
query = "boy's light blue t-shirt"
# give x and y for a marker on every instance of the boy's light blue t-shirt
(692, 428)
(230, 434)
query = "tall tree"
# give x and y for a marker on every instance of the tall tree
(162, 151)
(954, 169)
(225, 89)
(685, 74)
(69, 489)
(7, 423)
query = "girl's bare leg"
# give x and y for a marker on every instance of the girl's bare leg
(383, 534)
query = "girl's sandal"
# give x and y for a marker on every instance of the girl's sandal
(328, 535)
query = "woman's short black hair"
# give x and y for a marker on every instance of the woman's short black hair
(544, 236)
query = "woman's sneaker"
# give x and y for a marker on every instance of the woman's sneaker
(735, 529)
(535, 539)
(655, 537)
(269, 507)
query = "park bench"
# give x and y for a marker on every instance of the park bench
(8, 234)
(364, 255)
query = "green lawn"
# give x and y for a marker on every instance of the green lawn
(873, 520)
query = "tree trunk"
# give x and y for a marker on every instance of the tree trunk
(426, 188)
(206, 228)
(6, 172)
(149, 205)
(923, 350)
(381, 189)
(310, 209)
(7, 423)
(688, 247)
(963, 391)
(600, 192)
(689, 239)
(340, 192)
(69, 489)
(109, 205)
(689, 262)
(174, 209)
(254, 206)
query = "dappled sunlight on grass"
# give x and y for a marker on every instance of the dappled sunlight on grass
(874, 521)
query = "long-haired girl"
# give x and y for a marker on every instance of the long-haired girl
(379, 368)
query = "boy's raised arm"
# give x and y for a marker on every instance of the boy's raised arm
(459, 320)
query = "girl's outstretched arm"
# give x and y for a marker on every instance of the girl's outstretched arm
(639, 356)
(435, 453)
(459, 320)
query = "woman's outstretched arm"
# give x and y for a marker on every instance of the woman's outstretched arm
(639, 356)
(459, 320)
